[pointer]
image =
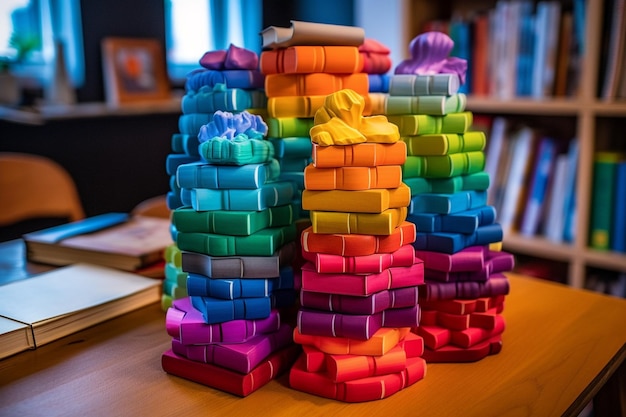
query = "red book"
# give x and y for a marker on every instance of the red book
(452, 354)
(230, 381)
(336, 264)
(358, 390)
(379, 344)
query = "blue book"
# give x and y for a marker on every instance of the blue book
(569, 203)
(454, 242)
(378, 83)
(230, 289)
(201, 174)
(447, 203)
(463, 222)
(185, 143)
(174, 160)
(526, 49)
(215, 310)
(272, 194)
(533, 210)
(249, 79)
(619, 211)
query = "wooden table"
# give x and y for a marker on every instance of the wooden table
(561, 348)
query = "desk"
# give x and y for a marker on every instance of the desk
(561, 346)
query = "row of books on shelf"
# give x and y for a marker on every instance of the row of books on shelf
(519, 48)
(533, 176)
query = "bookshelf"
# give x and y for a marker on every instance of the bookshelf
(586, 115)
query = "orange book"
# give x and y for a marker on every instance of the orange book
(310, 59)
(352, 178)
(357, 245)
(279, 85)
(361, 154)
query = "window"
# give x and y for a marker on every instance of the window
(28, 31)
(194, 27)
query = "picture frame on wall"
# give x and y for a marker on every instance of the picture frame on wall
(134, 71)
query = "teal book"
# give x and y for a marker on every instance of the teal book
(478, 181)
(602, 201)
(432, 105)
(447, 203)
(292, 146)
(211, 99)
(232, 222)
(237, 151)
(190, 123)
(204, 175)
(271, 194)
(424, 124)
(424, 85)
(445, 166)
(262, 243)
(444, 143)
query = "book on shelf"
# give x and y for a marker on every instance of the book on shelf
(615, 24)
(547, 23)
(46, 307)
(602, 199)
(618, 238)
(116, 240)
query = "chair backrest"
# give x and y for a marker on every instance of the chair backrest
(33, 186)
(154, 207)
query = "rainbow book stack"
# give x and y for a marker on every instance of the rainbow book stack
(359, 282)
(226, 80)
(462, 297)
(302, 65)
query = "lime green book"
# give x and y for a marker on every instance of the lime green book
(444, 143)
(284, 127)
(424, 124)
(445, 166)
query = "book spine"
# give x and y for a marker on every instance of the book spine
(602, 202)
(619, 210)
(424, 85)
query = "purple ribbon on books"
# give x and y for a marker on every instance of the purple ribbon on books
(228, 125)
(233, 58)
(430, 55)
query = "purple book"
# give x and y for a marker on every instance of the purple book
(354, 326)
(186, 324)
(495, 262)
(471, 258)
(375, 303)
(239, 357)
(497, 284)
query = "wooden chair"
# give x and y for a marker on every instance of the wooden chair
(155, 207)
(33, 186)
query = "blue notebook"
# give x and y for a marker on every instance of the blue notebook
(462, 222)
(454, 242)
(204, 175)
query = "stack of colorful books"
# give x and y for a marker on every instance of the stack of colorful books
(298, 76)
(376, 64)
(358, 289)
(228, 81)
(463, 294)
(235, 234)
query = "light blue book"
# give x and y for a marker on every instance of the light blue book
(269, 195)
(447, 203)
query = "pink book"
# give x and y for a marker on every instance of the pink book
(354, 326)
(371, 304)
(185, 323)
(379, 344)
(326, 263)
(361, 284)
(358, 390)
(239, 357)
(494, 262)
(434, 336)
(471, 258)
(473, 335)
(345, 244)
(227, 380)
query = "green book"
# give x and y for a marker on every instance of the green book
(262, 243)
(445, 166)
(232, 222)
(424, 124)
(472, 182)
(604, 174)
(444, 143)
(432, 105)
